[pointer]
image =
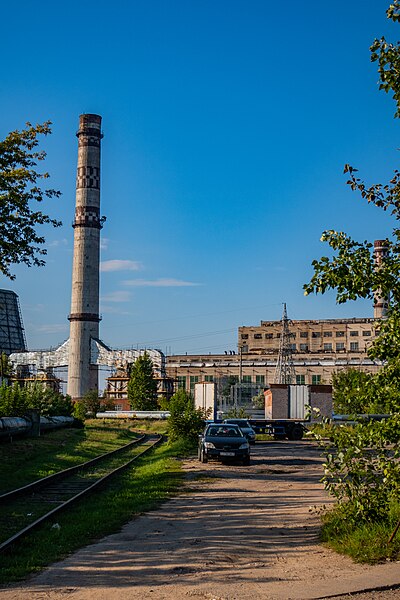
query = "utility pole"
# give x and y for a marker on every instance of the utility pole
(284, 372)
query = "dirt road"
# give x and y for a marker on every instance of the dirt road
(235, 533)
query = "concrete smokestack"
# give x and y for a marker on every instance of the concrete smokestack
(380, 302)
(84, 317)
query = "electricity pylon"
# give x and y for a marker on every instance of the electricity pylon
(284, 372)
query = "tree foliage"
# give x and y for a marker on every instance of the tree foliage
(91, 404)
(186, 421)
(362, 463)
(350, 392)
(142, 387)
(16, 400)
(20, 191)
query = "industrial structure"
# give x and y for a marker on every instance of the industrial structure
(84, 351)
(284, 372)
(12, 338)
(305, 352)
(381, 303)
(318, 349)
(84, 317)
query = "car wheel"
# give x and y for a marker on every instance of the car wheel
(203, 457)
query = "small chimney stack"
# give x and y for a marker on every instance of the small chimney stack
(380, 302)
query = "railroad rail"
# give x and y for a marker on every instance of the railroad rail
(67, 487)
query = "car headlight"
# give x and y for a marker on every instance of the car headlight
(209, 445)
(244, 446)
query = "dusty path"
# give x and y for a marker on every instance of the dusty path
(236, 533)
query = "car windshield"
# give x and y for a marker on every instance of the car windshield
(224, 431)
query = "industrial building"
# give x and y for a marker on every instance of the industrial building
(318, 348)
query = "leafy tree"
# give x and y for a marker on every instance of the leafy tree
(5, 366)
(142, 387)
(91, 402)
(226, 390)
(19, 192)
(16, 400)
(362, 468)
(185, 421)
(350, 391)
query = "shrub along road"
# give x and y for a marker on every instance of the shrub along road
(236, 533)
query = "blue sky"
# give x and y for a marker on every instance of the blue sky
(226, 128)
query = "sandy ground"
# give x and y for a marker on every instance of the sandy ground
(235, 533)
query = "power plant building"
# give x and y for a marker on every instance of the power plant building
(319, 348)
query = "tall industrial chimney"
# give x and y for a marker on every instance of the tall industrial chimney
(380, 302)
(84, 317)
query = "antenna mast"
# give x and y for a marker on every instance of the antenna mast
(284, 372)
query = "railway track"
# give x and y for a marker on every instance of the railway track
(25, 508)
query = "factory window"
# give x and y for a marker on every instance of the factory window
(300, 379)
(316, 379)
(340, 334)
(353, 333)
(260, 379)
(327, 333)
(292, 347)
(366, 333)
(278, 335)
(209, 378)
(117, 406)
(316, 334)
(353, 346)
(340, 346)
(245, 336)
(292, 335)
(193, 380)
(304, 334)
(269, 336)
(181, 381)
(304, 347)
(328, 347)
(246, 379)
(258, 336)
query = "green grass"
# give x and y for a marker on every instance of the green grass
(365, 542)
(28, 459)
(142, 488)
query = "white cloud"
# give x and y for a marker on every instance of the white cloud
(120, 265)
(159, 283)
(118, 296)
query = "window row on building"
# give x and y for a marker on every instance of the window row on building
(306, 334)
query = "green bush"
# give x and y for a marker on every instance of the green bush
(362, 468)
(79, 410)
(16, 400)
(186, 421)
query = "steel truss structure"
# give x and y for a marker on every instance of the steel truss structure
(12, 338)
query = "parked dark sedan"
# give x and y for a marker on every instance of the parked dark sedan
(222, 441)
